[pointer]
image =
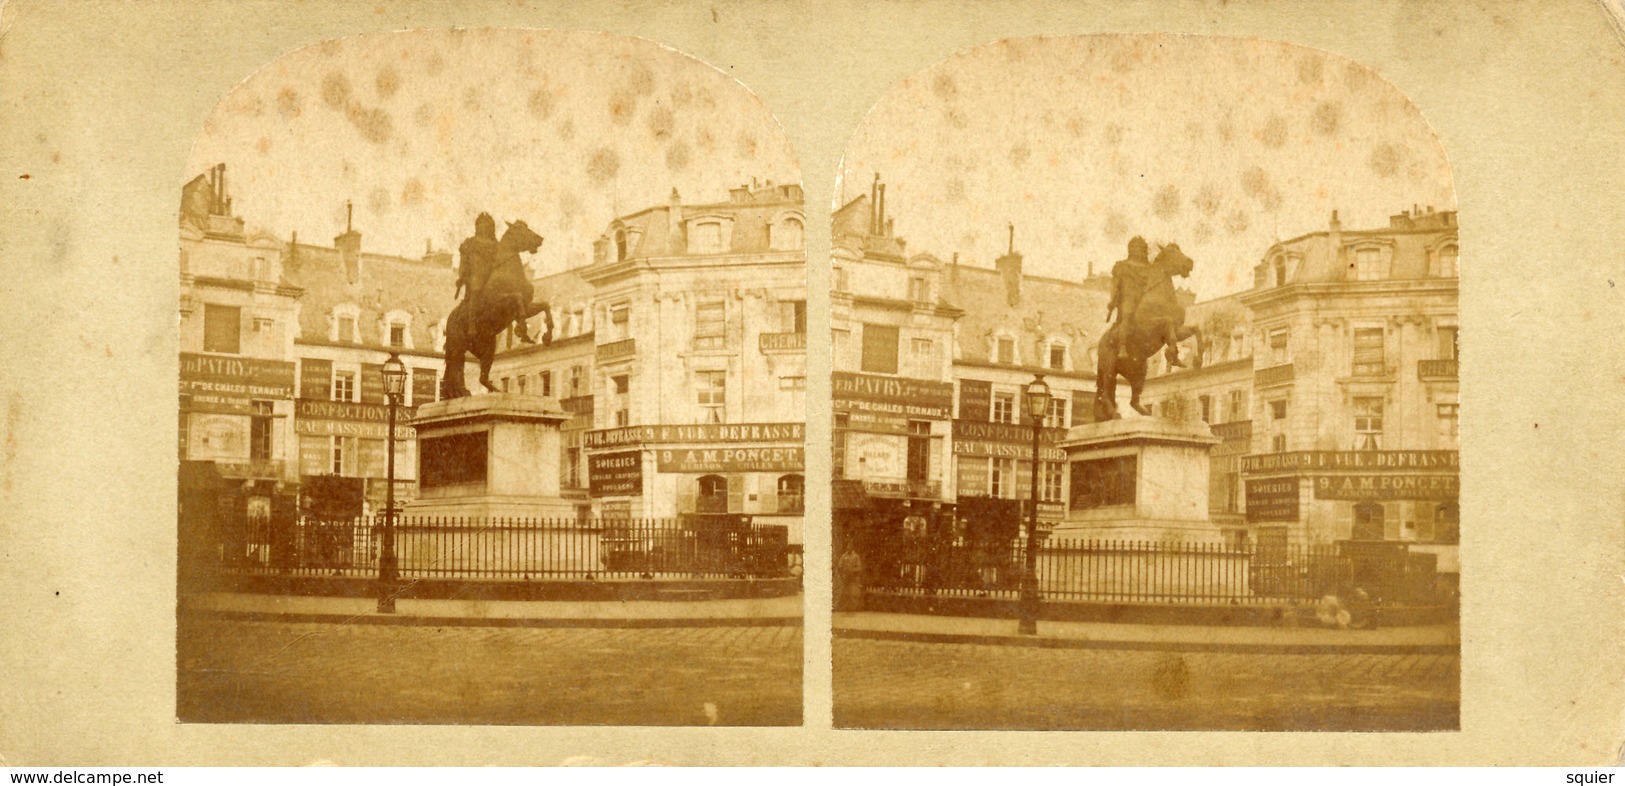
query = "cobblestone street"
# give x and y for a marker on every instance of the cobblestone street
(272, 672)
(910, 685)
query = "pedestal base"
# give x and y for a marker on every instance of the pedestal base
(1138, 479)
(494, 455)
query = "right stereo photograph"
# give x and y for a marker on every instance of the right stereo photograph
(1145, 394)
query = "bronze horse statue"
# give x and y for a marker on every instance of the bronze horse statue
(506, 298)
(1158, 322)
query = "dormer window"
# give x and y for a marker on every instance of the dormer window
(787, 235)
(396, 328)
(919, 290)
(620, 245)
(344, 323)
(710, 233)
(706, 238)
(1448, 267)
(1056, 356)
(1280, 271)
(1004, 350)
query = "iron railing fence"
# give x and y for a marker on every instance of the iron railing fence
(1133, 571)
(511, 548)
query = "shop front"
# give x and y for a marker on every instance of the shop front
(1326, 496)
(889, 462)
(755, 470)
(351, 440)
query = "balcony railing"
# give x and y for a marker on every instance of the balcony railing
(617, 349)
(778, 342)
(1445, 368)
(1274, 375)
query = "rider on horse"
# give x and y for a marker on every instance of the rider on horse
(1131, 278)
(481, 256)
(478, 255)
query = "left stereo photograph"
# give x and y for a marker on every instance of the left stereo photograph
(533, 454)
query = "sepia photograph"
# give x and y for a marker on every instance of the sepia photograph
(1145, 395)
(749, 383)
(492, 390)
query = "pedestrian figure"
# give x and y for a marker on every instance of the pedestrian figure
(850, 568)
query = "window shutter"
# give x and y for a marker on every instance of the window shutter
(316, 379)
(222, 328)
(880, 348)
(736, 493)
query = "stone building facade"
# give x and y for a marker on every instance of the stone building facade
(1343, 357)
(687, 335)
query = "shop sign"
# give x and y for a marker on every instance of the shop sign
(253, 468)
(1432, 487)
(975, 399)
(776, 342)
(1006, 440)
(315, 456)
(221, 384)
(876, 422)
(725, 459)
(1006, 432)
(973, 480)
(350, 428)
(1275, 499)
(372, 458)
(703, 433)
(1339, 460)
(346, 410)
(920, 399)
(876, 455)
(902, 488)
(216, 437)
(615, 474)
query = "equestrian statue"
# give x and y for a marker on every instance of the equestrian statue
(1149, 318)
(496, 294)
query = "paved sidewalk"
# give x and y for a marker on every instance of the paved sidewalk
(1435, 639)
(499, 613)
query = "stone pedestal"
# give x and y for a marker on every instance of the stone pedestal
(490, 455)
(1138, 479)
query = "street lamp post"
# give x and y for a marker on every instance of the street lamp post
(394, 387)
(1038, 405)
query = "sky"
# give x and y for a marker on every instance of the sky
(1221, 145)
(423, 130)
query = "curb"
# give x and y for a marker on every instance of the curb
(410, 620)
(1158, 646)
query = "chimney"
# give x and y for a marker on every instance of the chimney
(1334, 237)
(673, 218)
(953, 270)
(435, 258)
(1009, 267)
(600, 250)
(881, 211)
(874, 206)
(349, 245)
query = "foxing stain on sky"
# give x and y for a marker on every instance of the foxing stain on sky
(422, 130)
(1222, 145)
